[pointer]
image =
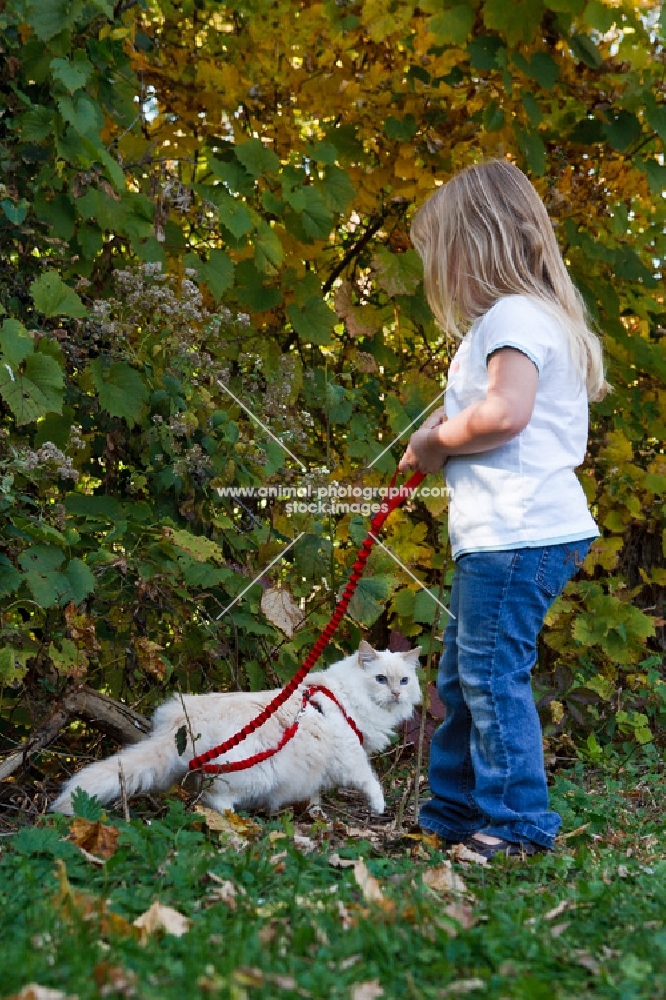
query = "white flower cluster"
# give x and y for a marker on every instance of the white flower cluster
(53, 459)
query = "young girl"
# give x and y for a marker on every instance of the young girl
(512, 431)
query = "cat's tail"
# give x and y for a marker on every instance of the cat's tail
(153, 764)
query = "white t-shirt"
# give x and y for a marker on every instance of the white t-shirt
(523, 493)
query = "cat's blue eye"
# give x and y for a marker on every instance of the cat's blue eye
(381, 679)
(404, 680)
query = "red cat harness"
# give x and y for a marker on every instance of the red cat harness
(201, 763)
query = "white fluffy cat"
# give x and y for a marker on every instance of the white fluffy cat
(378, 690)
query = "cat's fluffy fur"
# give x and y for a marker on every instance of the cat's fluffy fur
(377, 689)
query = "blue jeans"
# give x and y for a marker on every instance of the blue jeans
(487, 772)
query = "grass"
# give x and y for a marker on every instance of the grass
(589, 920)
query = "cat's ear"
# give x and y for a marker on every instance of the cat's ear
(366, 654)
(412, 655)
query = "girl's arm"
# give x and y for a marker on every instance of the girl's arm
(501, 416)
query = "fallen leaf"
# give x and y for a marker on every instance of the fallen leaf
(443, 879)
(305, 844)
(224, 891)
(558, 929)
(230, 822)
(574, 833)
(68, 902)
(367, 991)
(587, 961)
(461, 986)
(33, 991)
(337, 862)
(461, 913)
(248, 976)
(94, 838)
(162, 918)
(565, 904)
(114, 979)
(281, 610)
(459, 852)
(370, 887)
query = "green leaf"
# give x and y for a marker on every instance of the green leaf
(35, 393)
(86, 806)
(338, 189)
(257, 158)
(10, 668)
(68, 659)
(426, 609)
(541, 67)
(80, 580)
(15, 211)
(532, 108)
(181, 740)
(268, 251)
(10, 579)
(401, 129)
(398, 273)
(517, 21)
(233, 213)
(121, 390)
(219, 272)
(15, 343)
(58, 214)
(72, 75)
(313, 321)
(312, 553)
(88, 505)
(484, 51)
(583, 48)
(532, 147)
(313, 214)
(82, 113)
(656, 116)
(452, 27)
(36, 124)
(107, 212)
(52, 297)
(198, 547)
(233, 174)
(622, 130)
(50, 17)
(369, 598)
(599, 16)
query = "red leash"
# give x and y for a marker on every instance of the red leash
(201, 762)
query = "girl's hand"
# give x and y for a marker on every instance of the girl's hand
(425, 452)
(436, 418)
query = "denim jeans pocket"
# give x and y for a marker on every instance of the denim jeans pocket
(558, 564)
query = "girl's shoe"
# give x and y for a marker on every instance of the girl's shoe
(489, 847)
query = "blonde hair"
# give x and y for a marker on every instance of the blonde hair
(486, 234)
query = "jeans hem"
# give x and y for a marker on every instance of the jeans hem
(447, 832)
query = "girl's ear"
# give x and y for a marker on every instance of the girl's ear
(366, 654)
(413, 655)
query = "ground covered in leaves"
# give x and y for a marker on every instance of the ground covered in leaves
(188, 904)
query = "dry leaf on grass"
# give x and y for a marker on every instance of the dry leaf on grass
(68, 902)
(113, 980)
(443, 879)
(370, 887)
(462, 986)
(230, 822)
(337, 862)
(162, 918)
(461, 853)
(223, 891)
(463, 915)
(367, 991)
(33, 991)
(94, 838)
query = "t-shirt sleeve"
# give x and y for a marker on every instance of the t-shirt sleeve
(517, 322)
